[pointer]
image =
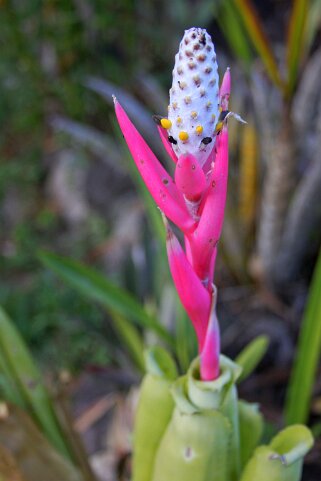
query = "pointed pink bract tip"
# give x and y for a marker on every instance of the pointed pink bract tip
(226, 82)
(225, 89)
(159, 183)
(168, 146)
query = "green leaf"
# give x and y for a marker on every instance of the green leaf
(255, 31)
(154, 410)
(28, 382)
(307, 355)
(296, 41)
(95, 286)
(282, 459)
(8, 387)
(251, 355)
(292, 443)
(251, 429)
(130, 336)
(160, 363)
(313, 23)
(233, 30)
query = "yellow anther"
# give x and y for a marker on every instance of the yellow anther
(218, 127)
(194, 114)
(220, 109)
(208, 105)
(179, 121)
(174, 105)
(187, 99)
(166, 124)
(199, 129)
(183, 136)
(213, 118)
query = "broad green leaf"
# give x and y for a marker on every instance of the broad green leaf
(282, 459)
(296, 41)
(292, 443)
(153, 412)
(256, 32)
(95, 286)
(251, 429)
(307, 355)
(28, 381)
(251, 355)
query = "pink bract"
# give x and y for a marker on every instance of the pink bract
(195, 202)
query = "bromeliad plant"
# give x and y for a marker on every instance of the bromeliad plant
(194, 427)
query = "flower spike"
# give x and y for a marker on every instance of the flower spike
(158, 181)
(193, 109)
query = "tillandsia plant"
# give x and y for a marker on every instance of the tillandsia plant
(194, 427)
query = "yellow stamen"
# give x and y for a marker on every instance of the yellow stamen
(199, 129)
(218, 127)
(194, 114)
(183, 136)
(179, 121)
(166, 124)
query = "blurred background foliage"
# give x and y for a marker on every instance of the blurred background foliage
(67, 184)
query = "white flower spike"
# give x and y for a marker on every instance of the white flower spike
(193, 111)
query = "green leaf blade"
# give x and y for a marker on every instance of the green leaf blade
(256, 33)
(28, 382)
(95, 286)
(251, 355)
(296, 41)
(300, 387)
